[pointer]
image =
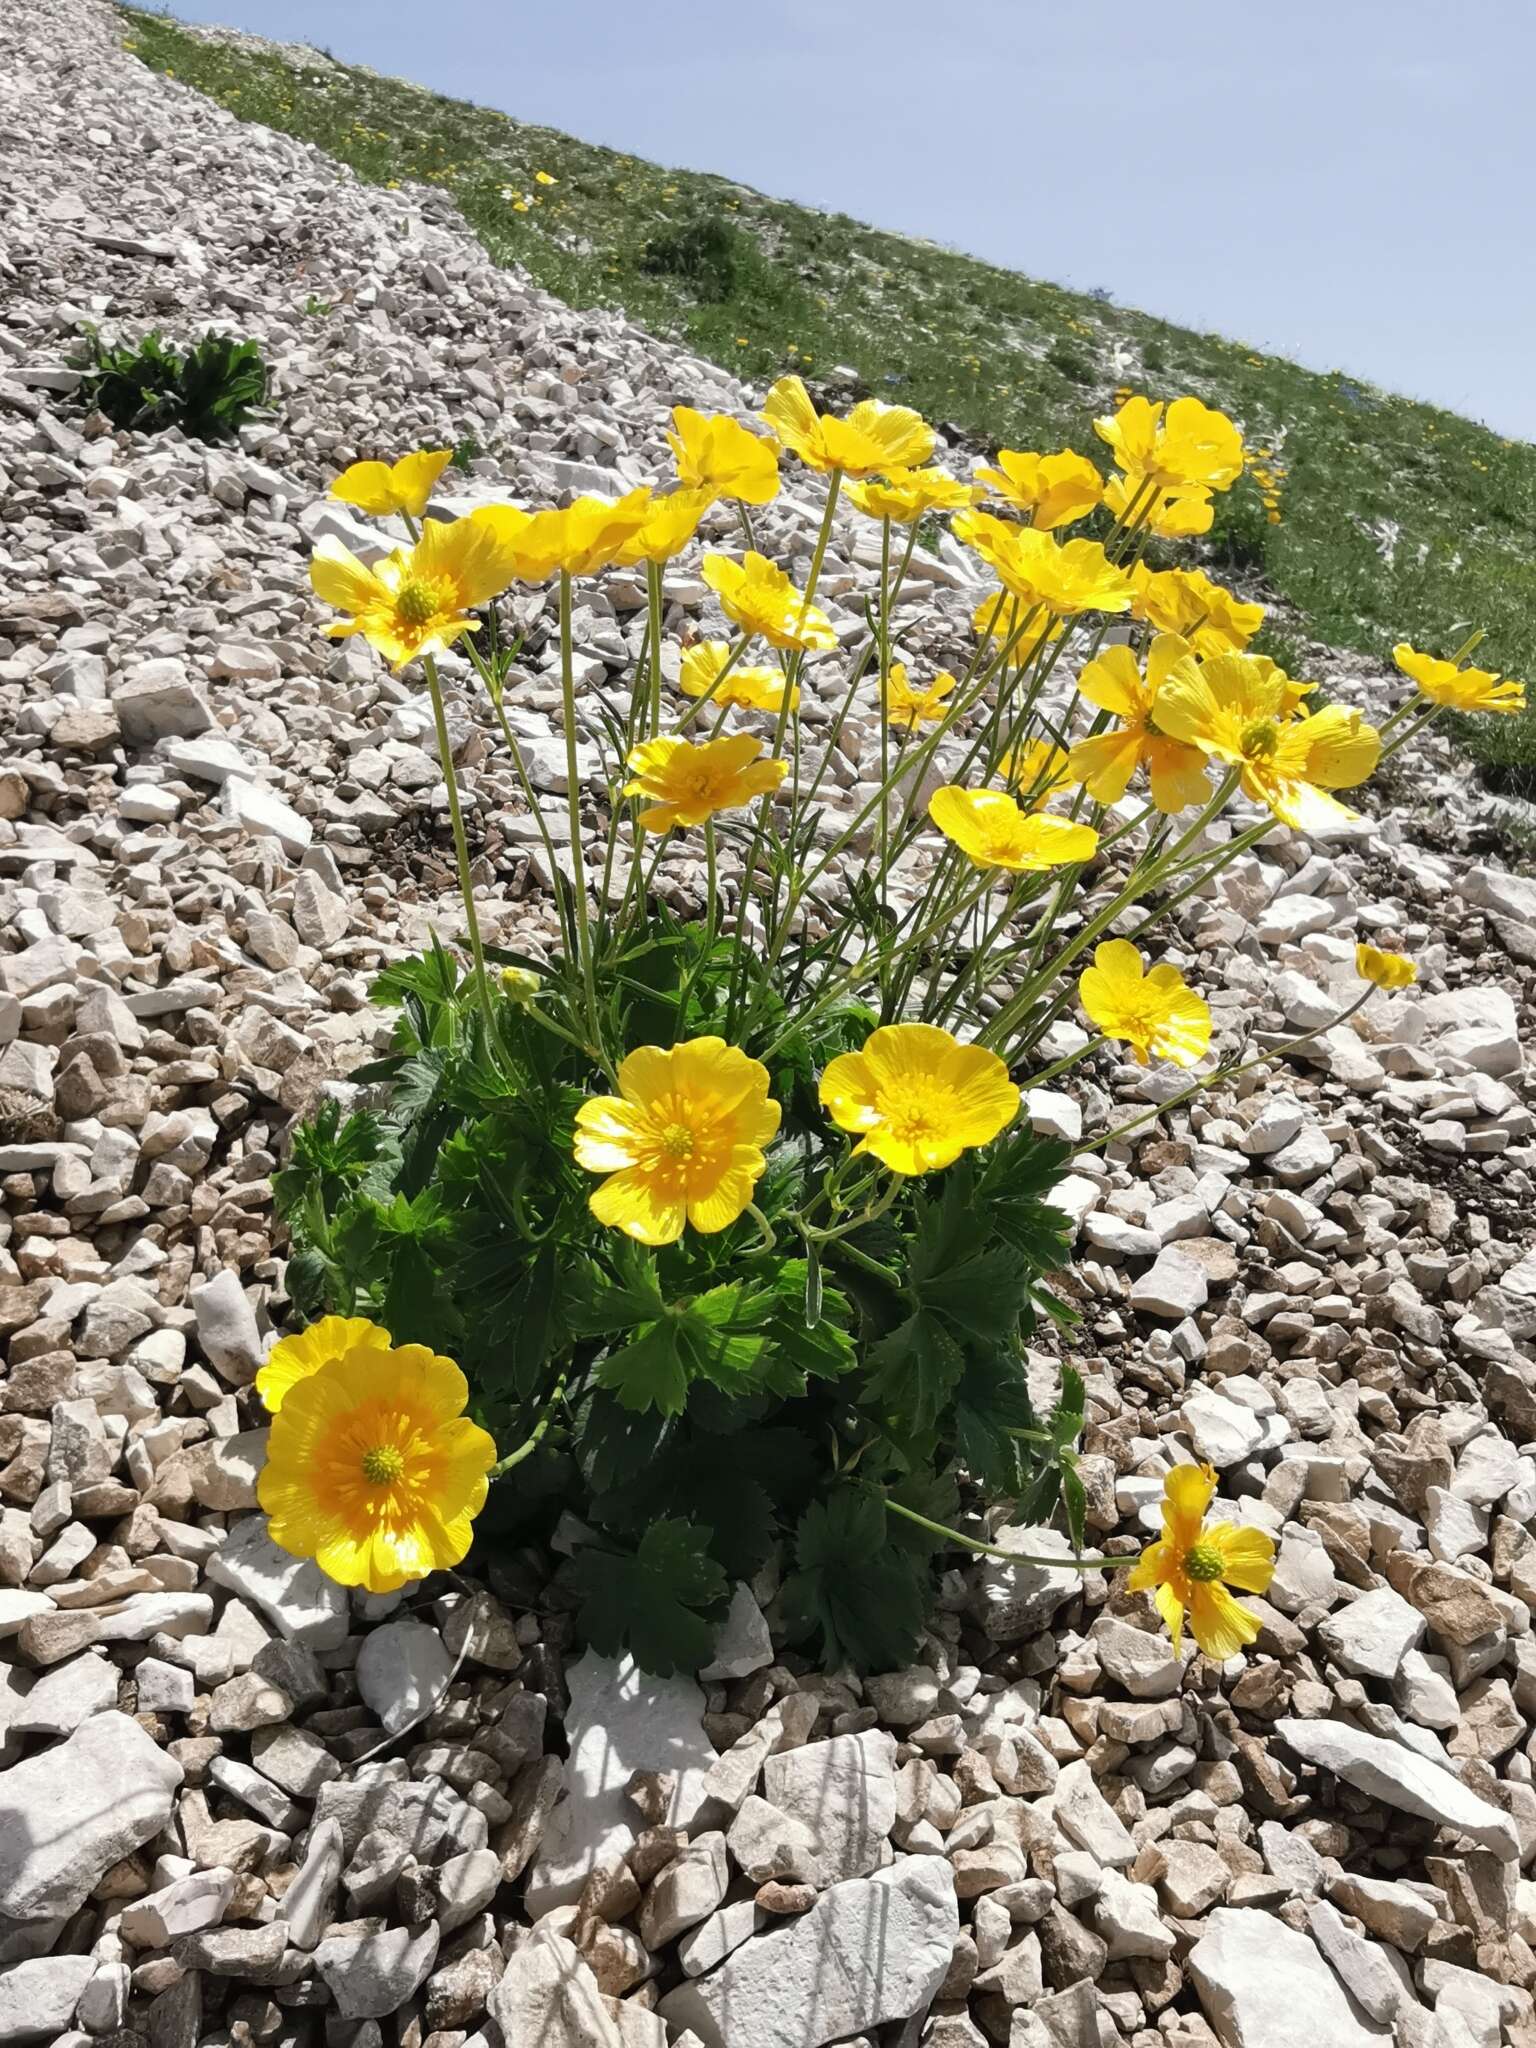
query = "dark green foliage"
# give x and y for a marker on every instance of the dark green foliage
(706, 255)
(208, 390)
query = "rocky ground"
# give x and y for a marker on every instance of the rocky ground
(237, 1808)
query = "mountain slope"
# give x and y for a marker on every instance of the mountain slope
(1396, 520)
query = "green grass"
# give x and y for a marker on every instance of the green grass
(764, 286)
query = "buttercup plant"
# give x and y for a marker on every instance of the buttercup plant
(732, 1227)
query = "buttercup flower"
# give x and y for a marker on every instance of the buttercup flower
(1105, 762)
(1386, 970)
(682, 1141)
(419, 599)
(688, 781)
(1184, 443)
(1171, 515)
(1000, 613)
(1036, 770)
(717, 454)
(758, 596)
(906, 494)
(908, 708)
(1464, 689)
(373, 1469)
(994, 831)
(1053, 490)
(1158, 1014)
(1191, 1567)
(578, 540)
(382, 487)
(1187, 602)
(294, 1358)
(670, 524)
(753, 689)
(873, 439)
(1234, 707)
(917, 1097)
(1068, 579)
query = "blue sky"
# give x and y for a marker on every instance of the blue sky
(1347, 182)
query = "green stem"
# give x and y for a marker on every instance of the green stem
(460, 843)
(573, 803)
(531, 1442)
(1070, 1564)
(653, 598)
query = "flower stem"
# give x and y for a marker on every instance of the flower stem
(460, 843)
(1069, 1564)
(535, 1437)
(573, 802)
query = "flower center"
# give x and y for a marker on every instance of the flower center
(677, 1142)
(419, 600)
(917, 1110)
(1203, 1563)
(383, 1465)
(1260, 739)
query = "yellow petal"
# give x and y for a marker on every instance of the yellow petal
(1247, 1555)
(1217, 1623)
(1187, 1493)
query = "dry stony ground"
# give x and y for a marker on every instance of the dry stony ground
(220, 1820)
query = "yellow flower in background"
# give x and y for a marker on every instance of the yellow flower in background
(373, 1469)
(917, 1097)
(1036, 770)
(907, 494)
(1233, 707)
(1191, 1567)
(688, 781)
(751, 689)
(1385, 970)
(1158, 1014)
(670, 523)
(294, 1358)
(419, 599)
(758, 596)
(1000, 613)
(577, 540)
(383, 488)
(908, 708)
(1171, 515)
(1053, 490)
(1066, 579)
(544, 178)
(1187, 602)
(682, 1141)
(1105, 762)
(1176, 445)
(1464, 689)
(717, 454)
(994, 831)
(872, 440)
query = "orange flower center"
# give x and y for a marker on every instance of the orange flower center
(1203, 1564)
(383, 1465)
(422, 598)
(677, 1141)
(917, 1108)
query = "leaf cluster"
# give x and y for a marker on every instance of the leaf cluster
(209, 389)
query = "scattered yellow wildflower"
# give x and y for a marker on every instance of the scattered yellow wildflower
(717, 454)
(994, 831)
(1187, 602)
(1066, 579)
(758, 596)
(578, 540)
(419, 599)
(544, 178)
(751, 689)
(682, 1141)
(1053, 490)
(908, 708)
(1036, 770)
(873, 439)
(1176, 445)
(907, 494)
(382, 488)
(1171, 515)
(917, 1097)
(671, 522)
(1158, 1014)
(1105, 762)
(1464, 689)
(1190, 1568)
(294, 1358)
(1385, 970)
(688, 781)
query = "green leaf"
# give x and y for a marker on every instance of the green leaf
(991, 1401)
(912, 1372)
(1067, 1417)
(860, 1593)
(659, 1603)
(650, 1372)
(1074, 1499)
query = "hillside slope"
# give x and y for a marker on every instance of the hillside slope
(1396, 520)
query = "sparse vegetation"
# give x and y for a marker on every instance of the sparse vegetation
(208, 390)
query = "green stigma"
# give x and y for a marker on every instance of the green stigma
(415, 603)
(1203, 1563)
(383, 1466)
(1259, 740)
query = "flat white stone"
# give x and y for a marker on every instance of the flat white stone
(1402, 1778)
(402, 1668)
(307, 1607)
(1262, 1985)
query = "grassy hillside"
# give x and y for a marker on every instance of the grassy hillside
(1395, 520)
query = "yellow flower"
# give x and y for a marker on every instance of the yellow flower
(294, 1358)
(872, 440)
(1054, 490)
(909, 708)
(907, 494)
(670, 524)
(1035, 770)
(582, 538)
(753, 689)
(1171, 515)
(1158, 1014)
(1187, 602)
(1105, 762)
(994, 831)
(689, 781)
(1465, 689)
(382, 488)
(719, 455)
(418, 599)
(1386, 970)
(758, 596)
(373, 1469)
(1194, 1563)
(1184, 443)
(1076, 577)
(1234, 707)
(544, 178)
(681, 1141)
(1000, 613)
(917, 1097)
